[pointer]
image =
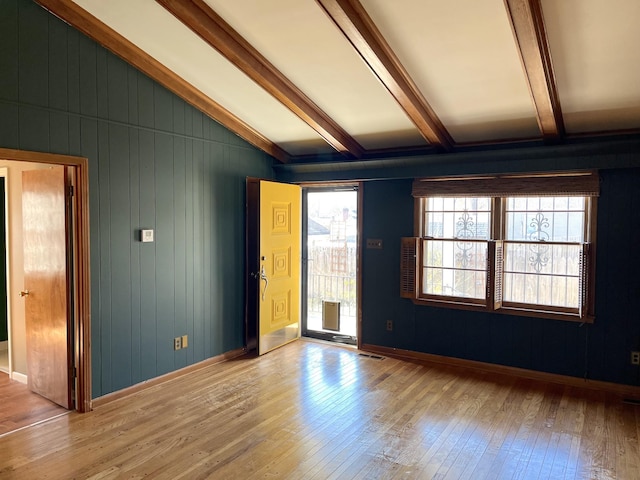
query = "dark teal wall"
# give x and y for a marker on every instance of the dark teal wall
(600, 351)
(154, 162)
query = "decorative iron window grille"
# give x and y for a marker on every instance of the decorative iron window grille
(527, 254)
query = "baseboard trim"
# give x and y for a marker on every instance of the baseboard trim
(615, 388)
(138, 387)
(19, 377)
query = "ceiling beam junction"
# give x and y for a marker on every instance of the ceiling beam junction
(356, 24)
(213, 29)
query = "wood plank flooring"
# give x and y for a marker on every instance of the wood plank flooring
(19, 407)
(312, 411)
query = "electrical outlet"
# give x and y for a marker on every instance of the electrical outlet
(185, 341)
(374, 243)
(390, 325)
(635, 358)
(177, 343)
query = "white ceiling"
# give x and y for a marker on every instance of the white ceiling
(463, 58)
(597, 62)
(462, 55)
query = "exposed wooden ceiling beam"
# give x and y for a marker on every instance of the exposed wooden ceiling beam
(528, 28)
(351, 17)
(206, 23)
(86, 23)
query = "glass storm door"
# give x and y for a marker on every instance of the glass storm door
(330, 297)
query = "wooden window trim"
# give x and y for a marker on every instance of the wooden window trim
(574, 184)
(503, 310)
(577, 183)
(450, 300)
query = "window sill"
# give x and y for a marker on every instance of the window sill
(505, 310)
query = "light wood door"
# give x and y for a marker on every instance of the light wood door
(44, 216)
(279, 274)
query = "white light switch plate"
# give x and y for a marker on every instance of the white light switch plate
(146, 235)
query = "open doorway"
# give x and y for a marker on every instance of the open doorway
(20, 360)
(21, 406)
(331, 256)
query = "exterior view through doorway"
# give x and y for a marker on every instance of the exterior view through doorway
(331, 259)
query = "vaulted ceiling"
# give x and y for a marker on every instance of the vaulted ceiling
(349, 79)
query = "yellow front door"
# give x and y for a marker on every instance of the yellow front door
(279, 275)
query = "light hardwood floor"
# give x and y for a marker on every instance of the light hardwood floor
(19, 407)
(312, 411)
(4, 360)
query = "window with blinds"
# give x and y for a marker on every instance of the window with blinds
(513, 243)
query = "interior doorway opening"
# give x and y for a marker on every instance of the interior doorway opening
(331, 256)
(78, 289)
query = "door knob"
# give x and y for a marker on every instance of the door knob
(24, 293)
(263, 276)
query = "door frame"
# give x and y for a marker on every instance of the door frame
(329, 186)
(80, 291)
(4, 173)
(252, 227)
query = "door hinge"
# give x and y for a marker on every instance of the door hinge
(70, 191)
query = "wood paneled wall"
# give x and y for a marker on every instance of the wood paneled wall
(154, 162)
(600, 351)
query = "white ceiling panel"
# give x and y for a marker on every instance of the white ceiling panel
(306, 46)
(462, 56)
(150, 27)
(594, 46)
